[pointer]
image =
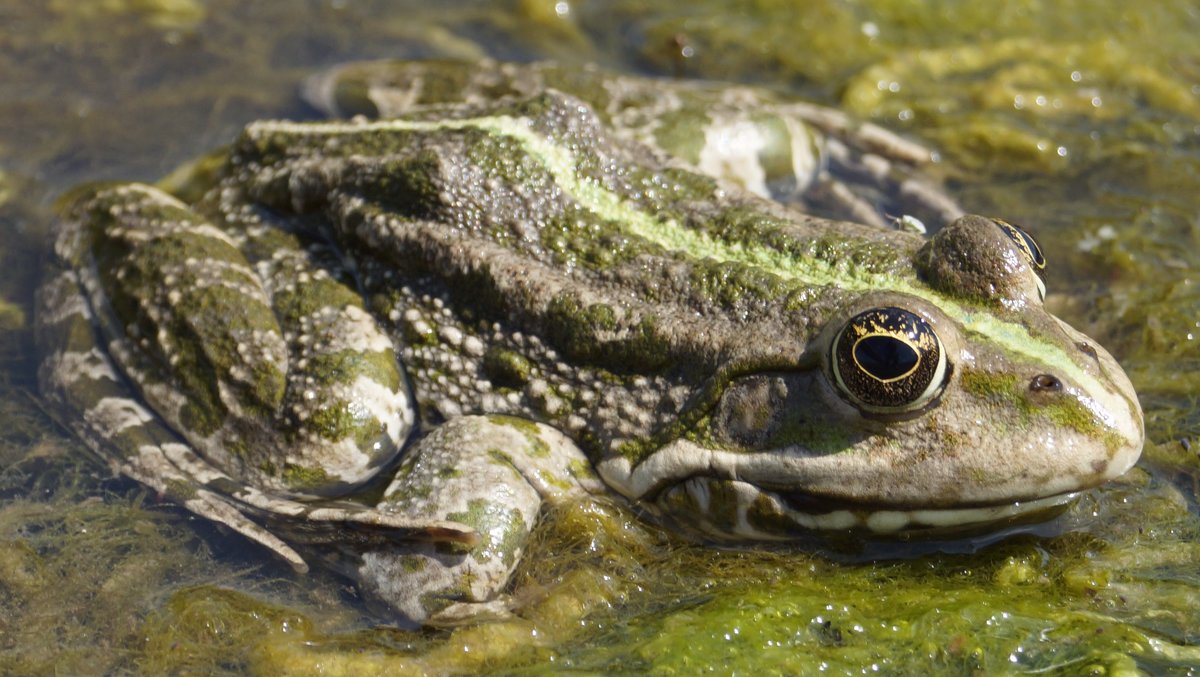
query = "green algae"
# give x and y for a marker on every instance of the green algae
(12, 316)
(613, 596)
(99, 578)
(77, 573)
(161, 14)
(206, 629)
(1023, 100)
(1027, 604)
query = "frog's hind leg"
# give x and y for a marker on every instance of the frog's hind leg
(152, 467)
(857, 181)
(491, 473)
(81, 383)
(865, 165)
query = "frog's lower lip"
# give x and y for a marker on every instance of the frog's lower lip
(890, 520)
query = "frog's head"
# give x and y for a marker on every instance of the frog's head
(952, 400)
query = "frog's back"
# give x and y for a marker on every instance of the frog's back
(535, 265)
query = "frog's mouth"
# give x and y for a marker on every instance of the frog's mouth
(813, 513)
(713, 493)
(732, 509)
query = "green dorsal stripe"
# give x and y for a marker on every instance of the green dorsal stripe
(670, 235)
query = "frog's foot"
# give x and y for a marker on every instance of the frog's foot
(491, 473)
(865, 173)
(827, 161)
(863, 185)
(80, 381)
(470, 613)
(181, 476)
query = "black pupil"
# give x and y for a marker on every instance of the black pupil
(885, 357)
(1034, 250)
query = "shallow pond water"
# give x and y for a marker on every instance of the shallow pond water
(1079, 119)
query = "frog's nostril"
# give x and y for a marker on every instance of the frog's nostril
(1045, 383)
(1087, 349)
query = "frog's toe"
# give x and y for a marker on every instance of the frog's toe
(335, 523)
(211, 506)
(830, 196)
(489, 473)
(869, 187)
(470, 613)
(158, 467)
(420, 581)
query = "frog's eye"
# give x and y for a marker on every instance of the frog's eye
(1031, 249)
(889, 360)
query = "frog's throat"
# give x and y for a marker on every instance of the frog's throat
(1100, 399)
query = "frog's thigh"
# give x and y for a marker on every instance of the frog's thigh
(488, 472)
(82, 385)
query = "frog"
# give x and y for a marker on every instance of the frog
(386, 341)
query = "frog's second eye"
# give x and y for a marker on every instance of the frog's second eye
(889, 360)
(1030, 248)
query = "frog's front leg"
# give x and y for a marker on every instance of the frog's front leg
(491, 473)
